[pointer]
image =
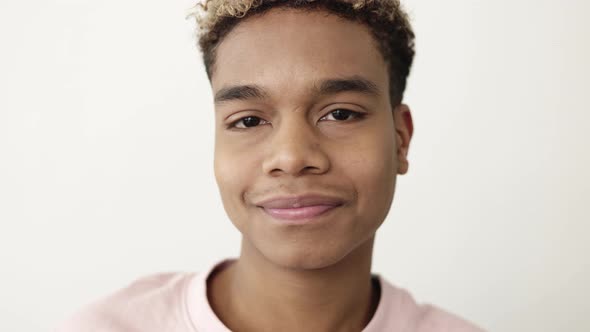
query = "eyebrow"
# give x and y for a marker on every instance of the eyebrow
(325, 87)
(349, 84)
(240, 92)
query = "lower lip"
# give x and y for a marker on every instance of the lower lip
(300, 215)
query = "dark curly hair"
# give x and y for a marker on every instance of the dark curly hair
(386, 20)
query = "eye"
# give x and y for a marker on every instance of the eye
(342, 114)
(247, 122)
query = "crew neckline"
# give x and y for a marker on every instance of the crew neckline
(203, 318)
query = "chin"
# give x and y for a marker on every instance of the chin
(307, 256)
(304, 260)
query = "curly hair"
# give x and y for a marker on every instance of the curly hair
(386, 19)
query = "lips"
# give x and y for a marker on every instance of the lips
(299, 208)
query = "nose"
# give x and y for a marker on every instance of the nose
(295, 149)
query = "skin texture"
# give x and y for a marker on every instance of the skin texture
(316, 276)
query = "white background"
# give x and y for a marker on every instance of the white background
(106, 147)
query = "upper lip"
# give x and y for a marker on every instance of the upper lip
(290, 202)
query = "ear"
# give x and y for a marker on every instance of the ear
(404, 128)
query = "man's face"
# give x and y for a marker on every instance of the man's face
(305, 148)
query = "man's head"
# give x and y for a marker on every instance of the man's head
(304, 118)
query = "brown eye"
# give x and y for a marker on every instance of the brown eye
(248, 122)
(341, 115)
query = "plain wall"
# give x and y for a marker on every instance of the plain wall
(106, 155)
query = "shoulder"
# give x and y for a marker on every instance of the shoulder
(419, 317)
(432, 318)
(141, 303)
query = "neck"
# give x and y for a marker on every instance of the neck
(254, 294)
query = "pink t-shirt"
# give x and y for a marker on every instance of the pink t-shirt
(177, 302)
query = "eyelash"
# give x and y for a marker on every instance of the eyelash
(355, 116)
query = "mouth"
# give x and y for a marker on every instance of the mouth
(299, 209)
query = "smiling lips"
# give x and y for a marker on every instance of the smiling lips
(299, 208)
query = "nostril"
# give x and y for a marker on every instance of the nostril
(295, 159)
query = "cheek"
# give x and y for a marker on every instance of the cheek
(375, 181)
(372, 169)
(232, 181)
(230, 165)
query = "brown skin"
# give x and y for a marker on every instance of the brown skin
(312, 277)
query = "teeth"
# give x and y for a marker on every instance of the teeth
(296, 205)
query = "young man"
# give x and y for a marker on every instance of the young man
(310, 136)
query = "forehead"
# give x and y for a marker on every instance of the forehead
(287, 49)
